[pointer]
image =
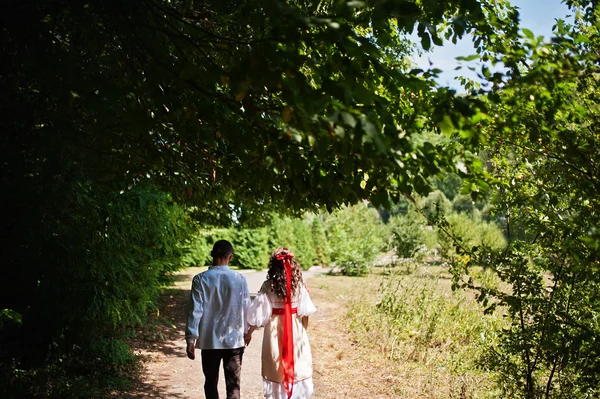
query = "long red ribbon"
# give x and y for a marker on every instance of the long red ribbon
(287, 350)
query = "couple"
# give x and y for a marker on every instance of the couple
(222, 318)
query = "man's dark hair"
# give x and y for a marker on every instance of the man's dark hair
(221, 249)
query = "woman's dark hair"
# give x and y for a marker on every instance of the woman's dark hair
(221, 249)
(276, 273)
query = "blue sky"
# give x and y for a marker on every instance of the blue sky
(536, 15)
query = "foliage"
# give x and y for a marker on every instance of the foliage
(409, 234)
(250, 247)
(543, 133)
(319, 241)
(303, 242)
(355, 239)
(315, 103)
(470, 231)
(103, 266)
(424, 328)
(435, 205)
(295, 234)
(281, 232)
(464, 204)
(450, 185)
(196, 251)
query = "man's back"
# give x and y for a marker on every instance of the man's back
(216, 321)
(221, 295)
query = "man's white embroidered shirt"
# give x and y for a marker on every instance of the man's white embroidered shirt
(218, 305)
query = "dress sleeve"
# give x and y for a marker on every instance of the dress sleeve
(260, 309)
(305, 304)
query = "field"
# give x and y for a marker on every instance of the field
(400, 333)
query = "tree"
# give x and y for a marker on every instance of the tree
(355, 239)
(233, 109)
(542, 124)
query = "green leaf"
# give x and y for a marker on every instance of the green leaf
(348, 119)
(469, 58)
(446, 126)
(528, 34)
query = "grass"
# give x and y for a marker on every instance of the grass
(431, 336)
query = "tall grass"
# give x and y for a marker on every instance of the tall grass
(429, 332)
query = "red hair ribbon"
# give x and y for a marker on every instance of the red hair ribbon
(287, 349)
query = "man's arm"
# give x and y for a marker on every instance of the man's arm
(248, 336)
(248, 330)
(195, 311)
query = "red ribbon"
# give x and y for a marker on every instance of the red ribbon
(280, 311)
(287, 349)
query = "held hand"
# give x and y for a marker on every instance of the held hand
(190, 351)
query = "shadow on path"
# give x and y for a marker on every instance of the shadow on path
(164, 332)
(145, 390)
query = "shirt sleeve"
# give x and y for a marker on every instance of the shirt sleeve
(195, 311)
(260, 309)
(305, 304)
(246, 304)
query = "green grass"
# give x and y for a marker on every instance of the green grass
(427, 331)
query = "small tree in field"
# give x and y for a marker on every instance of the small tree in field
(355, 239)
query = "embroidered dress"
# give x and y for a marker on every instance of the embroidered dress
(267, 310)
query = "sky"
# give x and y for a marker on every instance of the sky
(536, 15)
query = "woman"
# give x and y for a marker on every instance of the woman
(283, 305)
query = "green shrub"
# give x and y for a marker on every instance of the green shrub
(294, 234)
(281, 233)
(355, 238)
(319, 240)
(464, 204)
(251, 250)
(102, 259)
(303, 243)
(471, 232)
(435, 205)
(450, 185)
(408, 234)
(196, 251)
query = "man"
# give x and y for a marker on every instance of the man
(216, 321)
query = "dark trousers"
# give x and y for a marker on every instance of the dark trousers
(232, 365)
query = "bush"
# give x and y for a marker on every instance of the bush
(436, 205)
(319, 240)
(450, 185)
(251, 250)
(281, 233)
(294, 234)
(303, 243)
(355, 237)
(471, 232)
(97, 270)
(410, 235)
(196, 251)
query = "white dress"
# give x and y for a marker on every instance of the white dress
(261, 314)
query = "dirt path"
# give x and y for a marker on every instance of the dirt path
(340, 370)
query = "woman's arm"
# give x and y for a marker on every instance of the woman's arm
(305, 322)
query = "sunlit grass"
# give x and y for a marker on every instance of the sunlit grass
(430, 335)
